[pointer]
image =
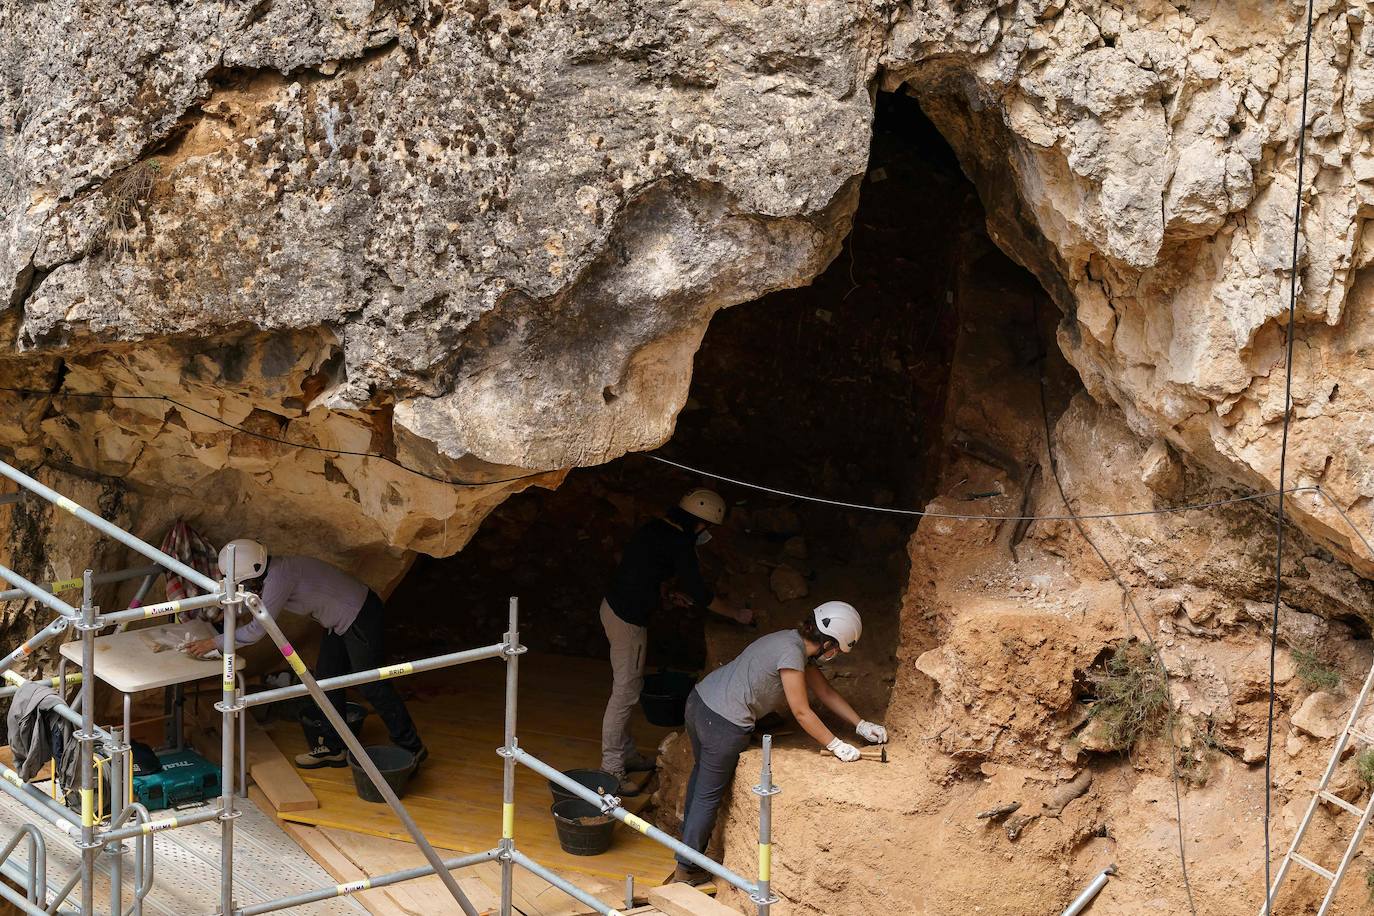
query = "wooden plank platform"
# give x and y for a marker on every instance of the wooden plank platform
(456, 797)
(349, 856)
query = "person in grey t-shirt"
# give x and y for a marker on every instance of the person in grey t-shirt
(771, 673)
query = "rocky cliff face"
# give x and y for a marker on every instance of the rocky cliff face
(505, 225)
(484, 239)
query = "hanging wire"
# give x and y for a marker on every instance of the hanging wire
(804, 497)
(97, 395)
(1283, 465)
(1129, 597)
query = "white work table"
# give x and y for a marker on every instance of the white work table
(130, 662)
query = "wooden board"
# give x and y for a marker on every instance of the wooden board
(274, 774)
(684, 900)
(268, 768)
(456, 796)
(359, 855)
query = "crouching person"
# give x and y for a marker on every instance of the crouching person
(723, 708)
(352, 617)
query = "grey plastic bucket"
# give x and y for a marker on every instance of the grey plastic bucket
(397, 765)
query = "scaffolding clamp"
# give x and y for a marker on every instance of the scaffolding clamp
(95, 626)
(609, 803)
(238, 707)
(229, 815)
(769, 792)
(510, 650)
(764, 901)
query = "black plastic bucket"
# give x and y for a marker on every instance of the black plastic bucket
(664, 697)
(599, 781)
(316, 728)
(582, 829)
(396, 763)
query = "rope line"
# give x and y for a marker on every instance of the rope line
(920, 513)
(1129, 596)
(1283, 466)
(451, 481)
(804, 497)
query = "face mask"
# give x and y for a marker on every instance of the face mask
(703, 538)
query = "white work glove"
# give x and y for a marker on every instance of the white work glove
(870, 732)
(843, 751)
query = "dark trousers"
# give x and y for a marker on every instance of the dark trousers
(716, 744)
(359, 648)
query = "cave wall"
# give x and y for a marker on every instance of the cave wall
(512, 221)
(485, 238)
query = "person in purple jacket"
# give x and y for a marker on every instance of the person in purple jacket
(351, 614)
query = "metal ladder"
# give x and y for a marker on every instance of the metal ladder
(1323, 794)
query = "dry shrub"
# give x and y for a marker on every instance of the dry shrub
(1132, 695)
(123, 197)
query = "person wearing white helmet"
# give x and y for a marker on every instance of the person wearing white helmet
(775, 670)
(661, 551)
(351, 614)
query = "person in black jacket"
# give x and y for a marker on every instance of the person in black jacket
(661, 550)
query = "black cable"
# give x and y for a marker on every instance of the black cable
(918, 513)
(451, 481)
(1283, 461)
(1042, 368)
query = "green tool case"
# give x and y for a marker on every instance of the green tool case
(185, 778)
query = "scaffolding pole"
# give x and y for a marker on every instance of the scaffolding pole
(34, 642)
(56, 683)
(27, 588)
(513, 651)
(358, 678)
(363, 884)
(359, 754)
(232, 604)
(161, 609)
(609, 804)
(765, 790)
(105, 578)
(166, 561)
(564, 885)
(86, 740)
(89, 839)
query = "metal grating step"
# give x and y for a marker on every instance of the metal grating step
(267, 864)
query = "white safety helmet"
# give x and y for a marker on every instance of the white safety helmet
(705, 505)
(250, 559)
(839, 621)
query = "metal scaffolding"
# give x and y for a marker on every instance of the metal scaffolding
(130, 821)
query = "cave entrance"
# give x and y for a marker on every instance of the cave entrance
(836, 388)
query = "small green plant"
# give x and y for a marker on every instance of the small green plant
(1364, 765)
(1314, 671)
(1131, 695)
(1194, 765)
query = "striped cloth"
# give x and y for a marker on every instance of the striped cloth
(190, 547)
